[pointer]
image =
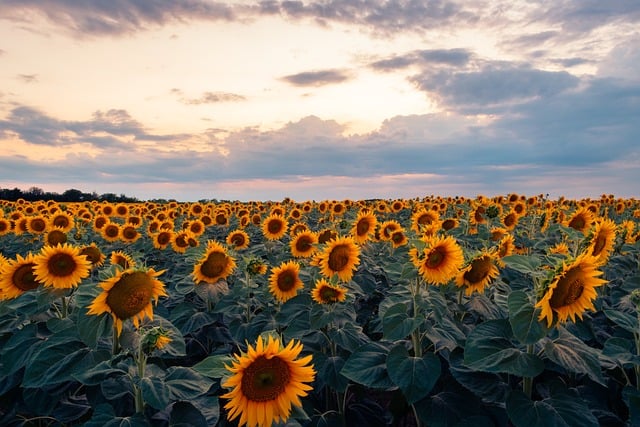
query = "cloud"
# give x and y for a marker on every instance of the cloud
(209, 97)
(28, 78)
(317, 78)
(456, 57)
(587, 15)
(492, 86)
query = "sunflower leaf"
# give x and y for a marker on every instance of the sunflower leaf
(396, 323)
(367, 366)
(415, 376)
(561, 409)
(524, 320)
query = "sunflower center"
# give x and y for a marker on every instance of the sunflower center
(61, 265)
(303, 244)
(237, 239)
(510, 220)
(448, 224)
(214, 265)
(286, 281)
(164, 238)
(24, 279)
(129, 233)
(38, 225)
(599, 245)
(568, 291)
(480, 269)
(111, 231)
(362, 227)
(92, 253)
(56, 236)
(130, 295)
(435, 258)
(265, 379)
(328, 294)
(577, 223)
(61, 221)
(274, 226)
(339, 258)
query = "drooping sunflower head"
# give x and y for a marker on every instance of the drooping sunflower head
(214, 265)
(61, 266)
(341, 256)
(122, 260)
(328, 293)
(17, 276)
(129, 294)
(440, 260)
(304, 244)
(238, 239)
(93, 254)
(478, 273)
(571, 291)
(274, 227)
(266, 382)
(364, 227)
(284, 281)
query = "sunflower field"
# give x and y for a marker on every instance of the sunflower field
(438, 311)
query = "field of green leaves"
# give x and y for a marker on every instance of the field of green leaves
(503, 311)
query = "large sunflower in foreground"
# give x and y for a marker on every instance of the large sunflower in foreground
(129, 295)
(478, 274)
(61, 266)
(341, 256)
(328, 293)
(572, 290)
(16, 277)
(266, 381)
(214, 265)
(440, 260)
(284, 281)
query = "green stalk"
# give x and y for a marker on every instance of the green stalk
(527, 382)
(637, 367)
(415, 335)
(65, 308)
(115, 344)
(141, 361)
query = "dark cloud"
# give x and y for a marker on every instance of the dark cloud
(27, 78)
(457, 57)
(317, 78)
(572, 62)
(587, 15)
(213, 98)
(494, 85)
(528, 41)
(394, 63)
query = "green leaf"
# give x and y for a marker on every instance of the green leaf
(491, 387)
(214, 366)
(98, 373)
(625, 320)
(91, 327)
(631, 397)
(528, 264)
(562, 409)
(574, 355)
(104, 416)
(415, 376)
(396, 323)
(185, 383)
(524, 320)
(620, 352)
(329, 371)
(489, 349)
(368, 366)
(349, 336)
(18, 350)
(154, 392)
(186, 414)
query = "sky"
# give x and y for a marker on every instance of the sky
(321, 100)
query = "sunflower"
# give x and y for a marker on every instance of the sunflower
(478, 274)
(298, 227)
(129, 295)
(572, 290)
(180, 241)
(440, 260)
(129, 233)
(5, 226)
(214, 265)
(274, 227)
(387, 228)
(510, 220)
(559, 248)
(238, 239)
(449, 224)
(326, 235)
(17, 277)
(422, 218)
(162, 239)
(398, 238)
(61, 266)
(266, 381)
(93, 254)
(55, 236)
(37, 224)
(603, 239)
(581, 220)
(364, 227)
(121, 210)
(121, 259)
(327, 293)
(341, 256)
(63, 220)
(505, 248)
(110, 231)
(99, 222)
(304, 244)
(284, 281)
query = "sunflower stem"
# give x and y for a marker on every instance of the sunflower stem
(65, 308)
(415, 335)
(115, 344)
(415, 415)
(141, 361)
(527, 382)
(637, 367)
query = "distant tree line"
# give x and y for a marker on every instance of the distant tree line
(71, 195)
